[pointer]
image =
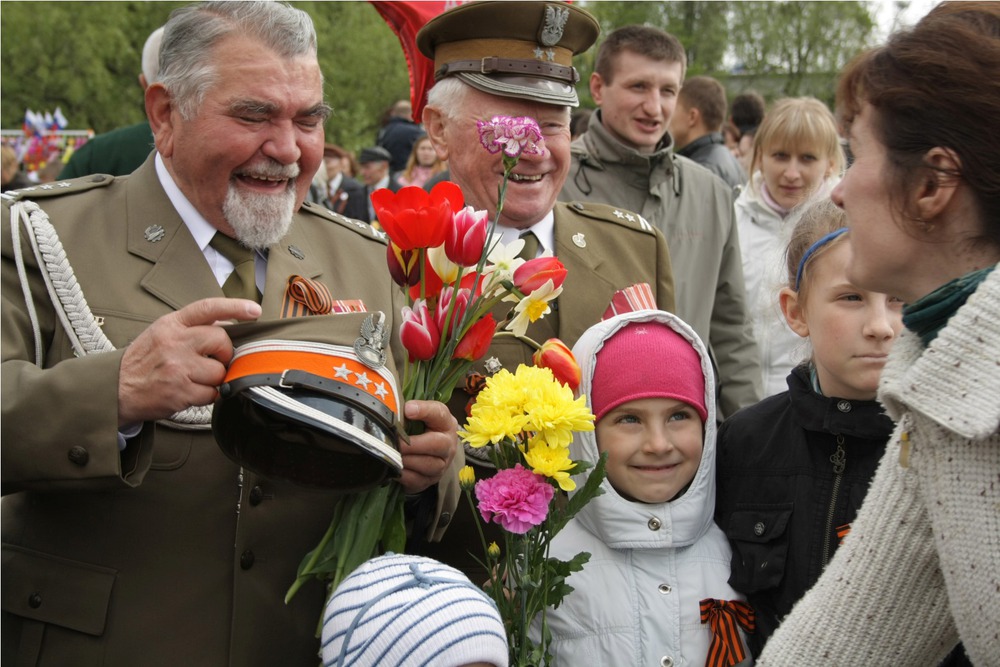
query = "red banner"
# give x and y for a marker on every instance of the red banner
(406, 19)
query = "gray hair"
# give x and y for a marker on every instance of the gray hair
(151, 55)
(187, 69)
(448, 96)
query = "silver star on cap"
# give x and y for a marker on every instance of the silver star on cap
(342, 371)
(362, 380)
(539, 53)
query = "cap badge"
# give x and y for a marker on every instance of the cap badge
(579, 240)
(154, 233)
(370, 345)
(555, 23)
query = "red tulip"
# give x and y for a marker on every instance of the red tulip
(415, 218)
(418, 332)
(476, 340)
(466, 237)
(558, 358)
(532, 274)
(404, 265)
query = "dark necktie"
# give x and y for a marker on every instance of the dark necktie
(530, 249)
(242, 282)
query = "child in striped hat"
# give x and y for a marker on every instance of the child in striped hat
(404, 610)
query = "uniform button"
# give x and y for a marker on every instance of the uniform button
(246, 560)
(665, 588)
(256, 495)
(78, 455)
(666, 661)
(654, 524)
(578, 206)
(35, 600)
(444, 519)
(759, 528)
(844, 406)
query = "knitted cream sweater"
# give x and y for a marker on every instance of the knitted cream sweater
(920, 569)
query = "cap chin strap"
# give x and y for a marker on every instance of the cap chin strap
(69, 303)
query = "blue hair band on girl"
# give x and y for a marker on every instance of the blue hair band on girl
(812, 250)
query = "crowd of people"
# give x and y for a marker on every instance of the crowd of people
(802, 426)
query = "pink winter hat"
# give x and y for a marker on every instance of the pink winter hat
(647, 360)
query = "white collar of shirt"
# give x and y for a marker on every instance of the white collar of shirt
(202, 230)
(544, 231)
(335, 183)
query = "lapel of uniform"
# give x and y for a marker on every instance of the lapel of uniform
(179, 274)
(582, 267)
(293, 255)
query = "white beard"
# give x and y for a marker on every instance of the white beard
(261, 220)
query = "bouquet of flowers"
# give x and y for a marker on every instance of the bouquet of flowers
(527, 419)
(455, 271)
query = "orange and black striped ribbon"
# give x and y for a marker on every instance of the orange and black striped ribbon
(304, 296)
(842, 532)
(725, 618)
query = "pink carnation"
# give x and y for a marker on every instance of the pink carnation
(515, 498)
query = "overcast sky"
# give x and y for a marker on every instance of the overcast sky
(888, 10)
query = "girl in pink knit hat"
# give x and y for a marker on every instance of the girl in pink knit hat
(655, 589)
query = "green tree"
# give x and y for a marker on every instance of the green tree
(793, 40)
(85, 57)
(363, 67)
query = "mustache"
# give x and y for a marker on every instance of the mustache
(271, 169)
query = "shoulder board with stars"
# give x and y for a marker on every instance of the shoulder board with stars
(608, 213)
(59, 188)
(357, 226)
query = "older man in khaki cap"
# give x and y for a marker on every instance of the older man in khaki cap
(515, 59)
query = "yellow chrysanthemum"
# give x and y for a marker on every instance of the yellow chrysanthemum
(553, 462)
(491, 425)
(493, 550)
(531, 399)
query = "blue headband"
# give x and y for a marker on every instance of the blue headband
(812, 249)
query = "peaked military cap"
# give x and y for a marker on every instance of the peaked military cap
(374, 154)
(512, 49)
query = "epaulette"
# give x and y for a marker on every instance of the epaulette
(60, 188)
(607, 213)
(356, 226)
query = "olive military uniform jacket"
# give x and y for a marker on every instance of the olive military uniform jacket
(604, 249)
(165, 553)
(694, 210)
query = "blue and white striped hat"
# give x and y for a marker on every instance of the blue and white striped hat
(409, 611)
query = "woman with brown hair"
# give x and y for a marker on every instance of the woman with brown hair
(920, 569)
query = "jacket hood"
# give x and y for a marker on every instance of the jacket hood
(626, 524)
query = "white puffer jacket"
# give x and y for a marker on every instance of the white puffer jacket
(636, 602)
(764, 236)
